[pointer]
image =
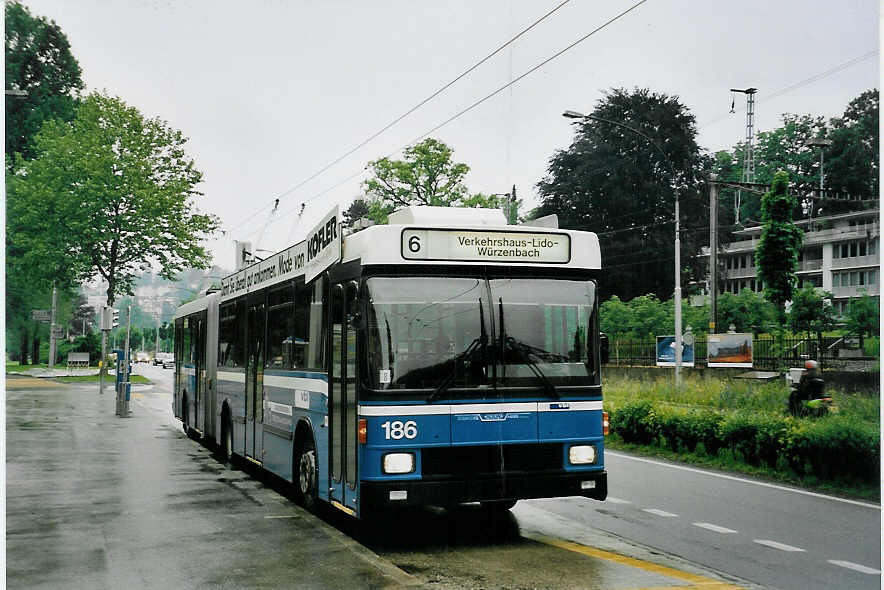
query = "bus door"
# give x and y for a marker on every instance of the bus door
(342, 397)
(255, 381)
(199, 390)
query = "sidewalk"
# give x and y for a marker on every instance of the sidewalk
(96, 501)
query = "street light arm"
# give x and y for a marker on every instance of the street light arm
(576, 115)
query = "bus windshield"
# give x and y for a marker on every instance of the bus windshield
(447, 333)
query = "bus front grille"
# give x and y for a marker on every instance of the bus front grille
(490, 460)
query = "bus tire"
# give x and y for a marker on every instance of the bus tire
(498, 505)
(306, 479)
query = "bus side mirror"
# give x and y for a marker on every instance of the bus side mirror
(603, 348)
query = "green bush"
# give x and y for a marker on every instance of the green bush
(636, 422)
(834, 447)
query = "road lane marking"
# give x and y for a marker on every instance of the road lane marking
(749, 481)
(283, 516)
(855, 566)
(697, 581)
(714, 528)
(614, 500)
(775, 545)
(658, 512)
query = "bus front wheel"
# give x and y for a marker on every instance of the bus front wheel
(306, 477)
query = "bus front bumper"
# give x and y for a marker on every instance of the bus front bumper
(593, 484)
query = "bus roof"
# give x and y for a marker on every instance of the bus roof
(423, 235)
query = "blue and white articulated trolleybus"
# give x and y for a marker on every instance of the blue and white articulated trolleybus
(444, 358)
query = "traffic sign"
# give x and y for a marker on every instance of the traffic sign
(41, 315)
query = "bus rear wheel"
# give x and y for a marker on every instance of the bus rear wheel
(498, 505)
(306, 475)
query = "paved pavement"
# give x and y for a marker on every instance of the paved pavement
(96, 501)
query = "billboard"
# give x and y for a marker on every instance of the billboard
(666, 351)
(729, 350)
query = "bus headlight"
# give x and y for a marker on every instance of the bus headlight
(581, 454)
(399, 463)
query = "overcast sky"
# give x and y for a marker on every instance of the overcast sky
(270, 92)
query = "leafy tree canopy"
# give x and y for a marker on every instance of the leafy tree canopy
(811, 312)
(106, 195)
(621, 183)
(38, 62)
(425, 176)
(747, 311)
(862, 315)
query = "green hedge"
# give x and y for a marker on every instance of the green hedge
(832, 447)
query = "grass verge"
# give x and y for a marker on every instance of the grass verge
(726, 462)
(136, 379)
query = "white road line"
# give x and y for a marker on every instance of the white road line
(715, 528)
(614, 500)
(740, 479)
(658, 512)
(855, 566)
(776, 545)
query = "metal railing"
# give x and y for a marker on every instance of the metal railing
(765, 351)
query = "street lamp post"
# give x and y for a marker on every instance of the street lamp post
(677, 291)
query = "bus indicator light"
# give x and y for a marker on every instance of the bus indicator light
(606, 426)
(363, 431)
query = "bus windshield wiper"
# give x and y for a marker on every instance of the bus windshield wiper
(524, 354)
(525, 357)
(466, 355)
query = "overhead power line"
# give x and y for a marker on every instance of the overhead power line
(492, 94)
(802, 83)
(420, 104)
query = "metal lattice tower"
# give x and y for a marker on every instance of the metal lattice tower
(749, 155)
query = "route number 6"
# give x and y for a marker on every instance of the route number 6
(397, 430)
(414, 244)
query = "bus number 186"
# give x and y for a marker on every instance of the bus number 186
(398, 430)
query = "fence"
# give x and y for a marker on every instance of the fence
(765, 351)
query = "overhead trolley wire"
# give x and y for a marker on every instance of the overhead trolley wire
(491, 95)
(797, 85)
(417, 106)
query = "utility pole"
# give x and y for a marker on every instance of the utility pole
(749, 155)
(52, 327)
(513, 212)
(713, 253)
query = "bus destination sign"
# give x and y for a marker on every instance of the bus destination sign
(485, 246)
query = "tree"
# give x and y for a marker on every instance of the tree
(811, 312)
(851, 163)
(746, 310)
(356, 211)
(39, 62)
(621, 184)
(425, 176)
(107, 194)
(776, 255)
(862, 316)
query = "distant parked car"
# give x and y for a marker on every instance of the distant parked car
(169, 364)
(142, 357)
(160, 357)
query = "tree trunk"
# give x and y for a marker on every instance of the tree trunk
(35, 349)
(23, 347)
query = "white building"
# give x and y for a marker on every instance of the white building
(840, 254)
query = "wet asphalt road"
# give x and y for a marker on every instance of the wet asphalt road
(95, 501)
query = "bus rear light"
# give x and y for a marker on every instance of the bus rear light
(606, 427)
(363, 431)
